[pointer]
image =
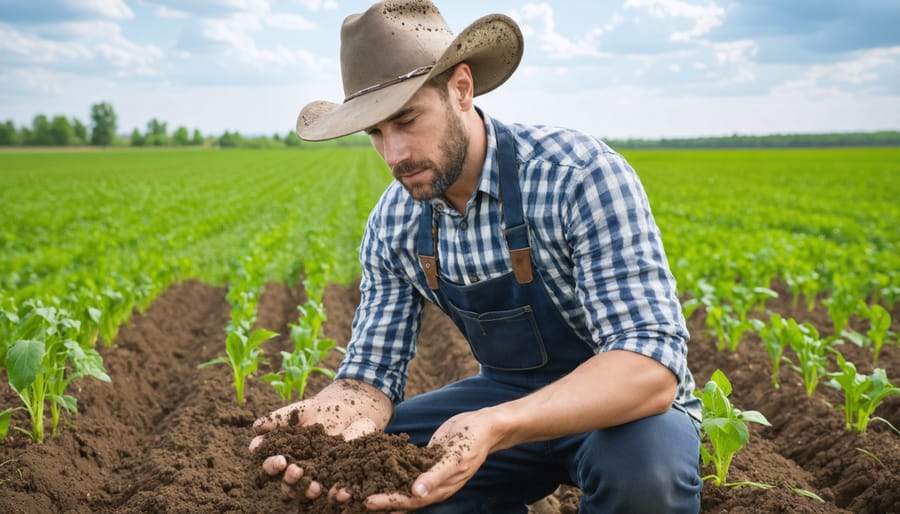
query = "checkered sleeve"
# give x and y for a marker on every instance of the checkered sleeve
(387, 321)
(622, 275)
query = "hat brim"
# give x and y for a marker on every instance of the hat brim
(492, 46)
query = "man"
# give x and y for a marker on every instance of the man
(540, 245)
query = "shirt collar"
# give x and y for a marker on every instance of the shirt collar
(490, 172)
(489, 182)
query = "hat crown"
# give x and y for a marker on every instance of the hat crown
(390, 39)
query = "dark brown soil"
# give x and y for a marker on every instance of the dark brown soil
(371, 464)
(165, 436)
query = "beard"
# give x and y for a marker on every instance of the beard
(454, 146)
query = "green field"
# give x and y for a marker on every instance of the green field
(87, 238)
(140, 219)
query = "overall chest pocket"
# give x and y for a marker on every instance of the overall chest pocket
(507, 340)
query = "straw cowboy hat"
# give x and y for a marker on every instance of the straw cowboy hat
(391, 50)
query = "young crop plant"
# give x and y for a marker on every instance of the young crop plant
(724, 427)
(243, 343)
(42, 360)
(862, 393)
(809, 285)
(810, 350)
(309, 350)
(880, 327)
(841, 304)
(776, 336)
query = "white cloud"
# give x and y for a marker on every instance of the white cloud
(115, 9)
(634, 112)
(167, 12)
(96, 44)
(705, 17)
(290, 22)
(863, 67)
(552, 42)
(36, 80)
(318, 5)
(33, 49)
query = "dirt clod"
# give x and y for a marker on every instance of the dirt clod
(371, 464)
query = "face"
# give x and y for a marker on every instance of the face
(425, 145)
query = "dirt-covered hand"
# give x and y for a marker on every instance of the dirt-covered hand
(346, 407)
(466, 439)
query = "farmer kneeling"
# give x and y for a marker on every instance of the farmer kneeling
(539, 243)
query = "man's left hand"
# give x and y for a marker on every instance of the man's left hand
(467, 439)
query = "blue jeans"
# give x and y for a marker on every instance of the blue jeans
(650, 465)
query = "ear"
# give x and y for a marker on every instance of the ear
(462, 86)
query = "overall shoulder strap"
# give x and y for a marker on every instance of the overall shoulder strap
(517, 238)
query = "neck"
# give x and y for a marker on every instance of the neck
(459, 193)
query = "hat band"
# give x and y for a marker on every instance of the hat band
(421, 70)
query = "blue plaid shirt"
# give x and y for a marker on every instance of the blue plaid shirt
(592, 235)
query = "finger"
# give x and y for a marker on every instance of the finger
(274, 465)
(282, 417)
(255, 442)
(314, 490)
(292, 474)
(359, 428)
(393, 502)
(339, 494)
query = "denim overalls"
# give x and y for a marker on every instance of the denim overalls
(522, 342)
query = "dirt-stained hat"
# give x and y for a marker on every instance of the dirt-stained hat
(395, 47)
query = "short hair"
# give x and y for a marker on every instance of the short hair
(441, 80)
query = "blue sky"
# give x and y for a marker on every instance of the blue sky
(614, 68)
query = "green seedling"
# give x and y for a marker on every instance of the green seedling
(879, 331)
(309, 350)
(810, 350)
(776, 337)
(862, 393)
(42, 361)
(244, 352)
(724, 426)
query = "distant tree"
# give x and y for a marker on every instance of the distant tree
(40, 132)
(79, 131)
(197, 139)
(180, 136)
(136, 138)
(8, 134)
(291, 139)
(103, 124)
(276, 137)
(25, 136)
(157, 133)
(61, 133)
(229, 140)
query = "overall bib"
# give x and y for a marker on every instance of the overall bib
(523, 343)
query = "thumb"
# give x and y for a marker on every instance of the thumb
(359, 428)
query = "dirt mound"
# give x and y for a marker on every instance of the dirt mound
(167, 437)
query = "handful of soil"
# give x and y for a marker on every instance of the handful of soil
(372, 464)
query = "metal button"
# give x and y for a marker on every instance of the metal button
(473, 278)
(463, 225)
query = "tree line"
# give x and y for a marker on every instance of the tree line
(841, 139)
(101, 131)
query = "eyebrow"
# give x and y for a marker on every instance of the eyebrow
(397, 115)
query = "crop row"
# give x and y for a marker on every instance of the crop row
(86, 239)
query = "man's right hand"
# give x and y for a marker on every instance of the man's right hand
(346, 407)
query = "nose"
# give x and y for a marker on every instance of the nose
(394, 148)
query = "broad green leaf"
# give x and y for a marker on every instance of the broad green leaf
(23, 363)
(5, 417)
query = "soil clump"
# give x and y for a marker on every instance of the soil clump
(371, 464)
(165, 436)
